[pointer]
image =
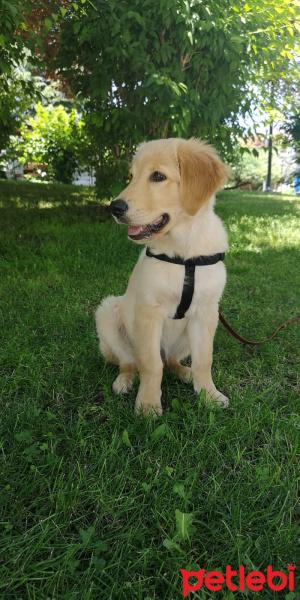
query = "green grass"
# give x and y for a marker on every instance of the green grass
(88, 490)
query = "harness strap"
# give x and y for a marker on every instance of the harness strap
(198, 261)
(189, 285)
(187, 292)
(189, 275)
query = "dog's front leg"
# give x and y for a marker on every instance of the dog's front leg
(147, 339)
(201, 330)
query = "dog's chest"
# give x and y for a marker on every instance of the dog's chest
(161, 284)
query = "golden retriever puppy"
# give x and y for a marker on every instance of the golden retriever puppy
(170, 308)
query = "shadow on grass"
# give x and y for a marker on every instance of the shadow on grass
(42, 202)
(31, 194)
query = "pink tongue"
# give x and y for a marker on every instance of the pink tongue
(132, 230)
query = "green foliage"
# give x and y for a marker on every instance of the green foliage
(152, 69)
(15, 102)
(19, 37)
(13, 20)
(292, 128)
(22, 35)
(11, 113)
(111, 171)
(253, 169)
(53, 139)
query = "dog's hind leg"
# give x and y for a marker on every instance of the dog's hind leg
(124, 382)
(115, 344)
(184, 372)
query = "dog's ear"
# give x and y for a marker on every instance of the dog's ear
(201, 173)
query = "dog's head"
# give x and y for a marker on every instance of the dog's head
(168, 178)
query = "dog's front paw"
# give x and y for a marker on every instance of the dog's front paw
(148, 407)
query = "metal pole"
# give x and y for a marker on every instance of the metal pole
(270, 145)
(269, 189)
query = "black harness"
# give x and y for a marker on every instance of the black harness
(189, 275)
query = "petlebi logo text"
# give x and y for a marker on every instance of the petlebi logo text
(238, 580)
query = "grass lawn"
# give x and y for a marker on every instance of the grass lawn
(88, 490)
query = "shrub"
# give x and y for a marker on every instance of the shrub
(55, 140)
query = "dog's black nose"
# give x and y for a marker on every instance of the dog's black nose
(118, 208)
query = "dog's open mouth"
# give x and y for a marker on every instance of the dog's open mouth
(142, 232)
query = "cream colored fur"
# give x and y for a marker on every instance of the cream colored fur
(136, 330)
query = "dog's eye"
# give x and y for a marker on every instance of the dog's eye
(157, 176)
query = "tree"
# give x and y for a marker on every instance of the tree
(18, 56)
(150, 69)
(13, 85)
(55, 140)
(13, 21)
(292, 130)
(26, 29)
(26, 44)
(13, 105)
(17, 39)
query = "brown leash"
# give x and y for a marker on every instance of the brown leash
(241, 339)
